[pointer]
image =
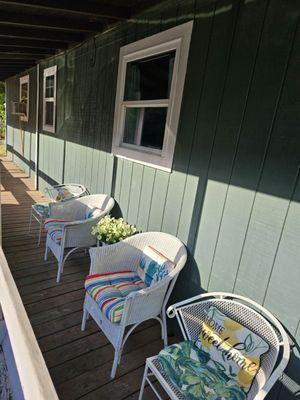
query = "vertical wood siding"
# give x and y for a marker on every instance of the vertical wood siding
(234, 193)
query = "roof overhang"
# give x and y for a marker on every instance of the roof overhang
(32, 30)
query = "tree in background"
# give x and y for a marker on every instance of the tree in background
(2, 110)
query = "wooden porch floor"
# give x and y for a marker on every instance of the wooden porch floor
(79, 362)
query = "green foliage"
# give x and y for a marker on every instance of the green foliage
(2, 109)
(111, 230)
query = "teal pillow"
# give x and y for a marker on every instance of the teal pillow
(153, 266)
(93, 212)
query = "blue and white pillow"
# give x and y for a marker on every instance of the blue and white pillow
(92, 212)
(154, 266)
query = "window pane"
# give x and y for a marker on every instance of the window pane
(131, 121)
(154, 127)
(145, 126)
(24, 92)
(49, 108)
(50, 86)
(149, 78)
(24, 96)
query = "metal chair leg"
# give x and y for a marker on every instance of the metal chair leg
(30, 221)
(40, 233)
(143, 383)
(164, 324)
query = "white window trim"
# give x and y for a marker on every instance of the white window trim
(178, 39)
(48, 72)
(24, 79)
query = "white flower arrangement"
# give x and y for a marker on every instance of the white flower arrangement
(111, 230)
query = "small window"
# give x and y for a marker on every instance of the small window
(24, 96)
(49, 99)
(149, 92)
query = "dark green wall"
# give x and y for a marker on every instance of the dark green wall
(234, 194)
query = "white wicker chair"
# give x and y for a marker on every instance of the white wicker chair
(57, 193)
(141, 305)
(76, 234)
(190, 316)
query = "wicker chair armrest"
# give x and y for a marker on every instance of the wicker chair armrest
(145, 303)
(79, 233)
(150, 290)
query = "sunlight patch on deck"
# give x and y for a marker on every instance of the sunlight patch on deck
(8, 198)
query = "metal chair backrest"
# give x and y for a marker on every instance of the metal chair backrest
(66, 191)
(192, 313)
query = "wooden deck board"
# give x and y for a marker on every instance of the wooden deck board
(79, 362)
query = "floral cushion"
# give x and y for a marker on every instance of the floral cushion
(195, 375)
(42, 209)
(232, 346)
(110, 290)
(153, 266)
(63, 194)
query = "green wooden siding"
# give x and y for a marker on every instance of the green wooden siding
(233, 196)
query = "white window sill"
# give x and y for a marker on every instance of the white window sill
(143, 158)
(49, 128)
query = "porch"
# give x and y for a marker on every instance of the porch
(79, 362)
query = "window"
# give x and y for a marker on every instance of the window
(149, 91)
(49, 99)
(24, 96)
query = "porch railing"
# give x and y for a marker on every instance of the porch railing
(32, 371)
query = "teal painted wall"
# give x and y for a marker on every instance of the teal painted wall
(233, 195)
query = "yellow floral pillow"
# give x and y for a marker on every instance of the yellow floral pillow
(232, 347)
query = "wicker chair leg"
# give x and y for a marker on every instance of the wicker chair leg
(84, 319)
(59, 271)
(115, 363)
(60, 266)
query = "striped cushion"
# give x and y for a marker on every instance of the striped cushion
(110, 290)
(54, 228)
(56, 235)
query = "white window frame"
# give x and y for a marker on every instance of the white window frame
(24, 79)
(178, 39)
(48, 72)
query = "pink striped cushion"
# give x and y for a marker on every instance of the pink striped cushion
(110, 290)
